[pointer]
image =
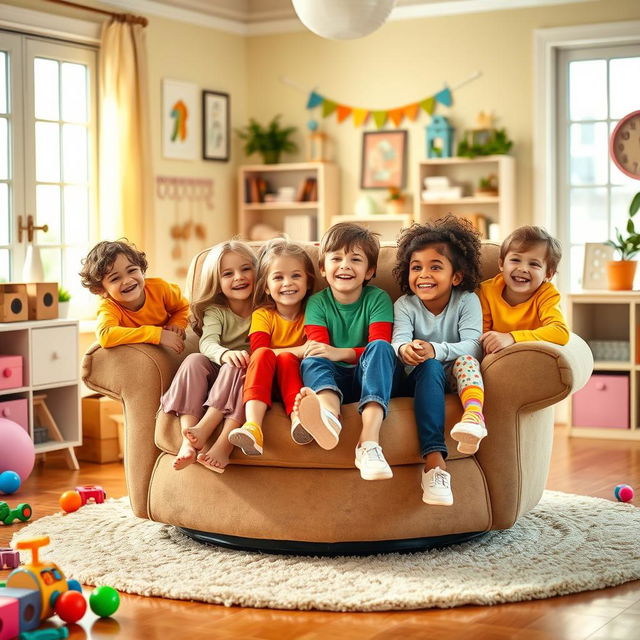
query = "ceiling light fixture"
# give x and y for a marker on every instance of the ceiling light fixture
(343, 19)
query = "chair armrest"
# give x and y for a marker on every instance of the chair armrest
(137, 375)
(522, 383)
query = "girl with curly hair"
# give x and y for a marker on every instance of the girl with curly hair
(436, 335)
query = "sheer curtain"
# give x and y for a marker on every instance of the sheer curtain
(125, 153)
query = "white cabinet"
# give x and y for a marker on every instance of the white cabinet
(497, 209)
(313, 189)
(50, 376)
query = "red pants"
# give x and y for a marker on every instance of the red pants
(264, 365)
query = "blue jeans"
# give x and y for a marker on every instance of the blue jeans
(427, 384)
(369, 381)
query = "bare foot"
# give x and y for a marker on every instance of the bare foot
(199, 433)
(186, 456)
(304, 391)
(217, 457)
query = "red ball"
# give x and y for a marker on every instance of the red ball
(70, 501)
(71, 606)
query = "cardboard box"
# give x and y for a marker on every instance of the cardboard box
(96, 422)
(99, 450)
(43, 300)
(14, 302)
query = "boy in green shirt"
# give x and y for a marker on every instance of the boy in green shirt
(348, 355)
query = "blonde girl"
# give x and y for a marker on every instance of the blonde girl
(284, 282)
(207, 387)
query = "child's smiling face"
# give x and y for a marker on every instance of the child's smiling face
(345, 271)
(124, 283)
(431, 278)
(237, 277)
(524, 270)
(287, 282)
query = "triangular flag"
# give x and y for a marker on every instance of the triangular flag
(444, 97)
(379, 117)
(328, 107)
(314, 100)
(343, 112)
(360, 116)
(411, 111)
(428, 105)
(396, 116)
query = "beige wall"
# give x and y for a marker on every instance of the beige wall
(408, 60)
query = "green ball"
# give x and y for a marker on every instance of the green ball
(104, 601)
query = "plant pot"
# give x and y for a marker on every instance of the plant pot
(63, 309)
(270, 157)
(395, 206)
(620, 274)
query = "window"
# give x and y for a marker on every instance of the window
(47, 156)
(596, 87)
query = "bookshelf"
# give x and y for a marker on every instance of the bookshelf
(483, 210)
(388, 225)
(313, 190)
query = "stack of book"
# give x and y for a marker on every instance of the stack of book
(439, 188)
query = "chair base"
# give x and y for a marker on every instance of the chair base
(359, 548)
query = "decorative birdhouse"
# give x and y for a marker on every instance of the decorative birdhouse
(439, 138)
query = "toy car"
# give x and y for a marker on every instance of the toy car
(91, 492)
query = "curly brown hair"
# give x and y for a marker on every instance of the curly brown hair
(101, 258)
(456, 238)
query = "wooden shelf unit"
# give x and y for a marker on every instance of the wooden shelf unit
(610, 315)
(388, 225)
(466, 172)
(292, 175)
(49, 350)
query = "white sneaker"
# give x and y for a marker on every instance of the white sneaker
(436, 487)
(468, 435)
(370, 460)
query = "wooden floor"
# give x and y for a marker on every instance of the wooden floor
(589, 467)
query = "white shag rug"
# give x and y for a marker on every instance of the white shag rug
(567, 544)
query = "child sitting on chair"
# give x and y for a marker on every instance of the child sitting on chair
(134, 309)
(520, 303)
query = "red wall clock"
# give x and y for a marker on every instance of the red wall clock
(624, 145)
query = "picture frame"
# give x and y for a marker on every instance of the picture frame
(594, 271)
(215, 126)
(384, 159)
(180, 122)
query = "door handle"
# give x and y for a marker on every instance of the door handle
(29, 228)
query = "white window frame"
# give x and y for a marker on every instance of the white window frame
(547, 44)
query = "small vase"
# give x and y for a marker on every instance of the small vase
(63, 309)
(271, 157)
(32, 269)
(621, 274)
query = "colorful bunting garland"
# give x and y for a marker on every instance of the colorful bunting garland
(380, 116)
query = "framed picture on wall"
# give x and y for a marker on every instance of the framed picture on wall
(383, 159)
(179, 120)
(594, 271)
(215, 126)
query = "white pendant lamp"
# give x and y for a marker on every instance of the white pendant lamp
(343, 19)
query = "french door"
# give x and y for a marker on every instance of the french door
(48, 156)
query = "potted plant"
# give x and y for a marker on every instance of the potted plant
(63, 302)
(622, 272)
(269, 141)
(395, 200)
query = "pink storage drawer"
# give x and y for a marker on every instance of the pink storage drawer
(17, 411)
(602, 402)
(10, 372)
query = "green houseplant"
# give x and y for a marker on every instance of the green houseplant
(269, 141)
(622, 272)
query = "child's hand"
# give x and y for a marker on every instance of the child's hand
(323, 350)
(171, 340)
(494, 341)
(415, 352)
(176, 329)
(238, 359)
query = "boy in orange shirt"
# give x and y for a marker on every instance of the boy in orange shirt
(135, 309)
(520, 304)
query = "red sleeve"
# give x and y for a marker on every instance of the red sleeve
(259, 339)
(318, 333)
(377, 331)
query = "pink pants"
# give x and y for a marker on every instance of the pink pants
(199, 384)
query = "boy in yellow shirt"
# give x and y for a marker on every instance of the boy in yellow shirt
(520, 304)
(135, 309)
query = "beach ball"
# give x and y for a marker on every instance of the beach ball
(16, 449)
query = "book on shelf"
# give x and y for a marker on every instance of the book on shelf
(307, 190)
(255, 189)
(480, 222)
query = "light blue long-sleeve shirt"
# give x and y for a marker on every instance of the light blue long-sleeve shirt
(454, 332)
